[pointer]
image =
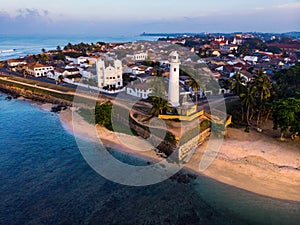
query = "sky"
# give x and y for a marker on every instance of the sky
(131, 17)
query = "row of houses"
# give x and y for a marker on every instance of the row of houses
(106, 72)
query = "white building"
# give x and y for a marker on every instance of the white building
(237, 40)
(38, 70)
(252, 59)
(173, 95)
(16, 62)
(88, 72)
(141, 91)
(109, 73)
(63, 72)
(142, 56)
(79, 60)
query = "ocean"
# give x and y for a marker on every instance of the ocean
(45, 180)
(14, 46)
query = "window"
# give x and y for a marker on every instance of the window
(174, 69)
(119, 83)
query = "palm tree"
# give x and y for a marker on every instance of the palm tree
(249, 101)
(263, 86)
(238, 84)
(159, 105)
(238, 87)
(195, 85)
(158, 87)
(286, 114)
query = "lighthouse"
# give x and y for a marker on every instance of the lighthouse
(173, 96)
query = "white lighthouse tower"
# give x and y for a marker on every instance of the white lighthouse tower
(173, 96)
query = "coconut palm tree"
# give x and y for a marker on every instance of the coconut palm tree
(159, 105)
(195, 85)
(158, 87)
(238, 84)
(249, 101)
(263, 93)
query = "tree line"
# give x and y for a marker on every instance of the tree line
(278, 99)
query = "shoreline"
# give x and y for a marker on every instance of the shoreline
(254, 163)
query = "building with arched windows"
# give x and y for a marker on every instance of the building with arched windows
(109, 74)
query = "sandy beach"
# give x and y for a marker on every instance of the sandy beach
(252, 161)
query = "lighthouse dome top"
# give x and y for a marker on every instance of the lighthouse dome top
(174, 57)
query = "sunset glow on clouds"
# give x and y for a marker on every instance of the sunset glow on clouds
(123, 17)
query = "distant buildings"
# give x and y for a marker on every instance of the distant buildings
(287, 47)
(140, 56)
(252, 59)
(222, 55)
(238, 39)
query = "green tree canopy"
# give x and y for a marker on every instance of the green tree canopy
(159, 105)
(286, 115)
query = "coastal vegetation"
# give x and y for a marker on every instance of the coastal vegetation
(102, 115)
(261, 99)
(159, 105)
(85, 47)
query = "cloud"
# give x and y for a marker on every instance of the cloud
(28, 21)
(291, 5)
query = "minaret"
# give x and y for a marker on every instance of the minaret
(173, 96)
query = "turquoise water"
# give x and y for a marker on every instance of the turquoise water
(44, 180)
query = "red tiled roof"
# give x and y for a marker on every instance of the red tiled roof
(36, 65)
(295, 46)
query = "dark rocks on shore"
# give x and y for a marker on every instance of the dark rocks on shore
(10, 94)
(58, 108)
(8, 98)
(13, 96)
(183, 178)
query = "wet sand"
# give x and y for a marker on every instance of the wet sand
(251, 161)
